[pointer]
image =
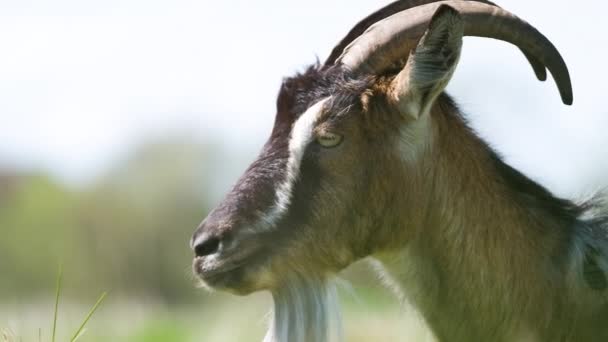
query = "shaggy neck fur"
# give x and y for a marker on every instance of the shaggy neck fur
(493, 256)
(305, 309)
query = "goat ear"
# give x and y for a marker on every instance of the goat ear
(431, 65)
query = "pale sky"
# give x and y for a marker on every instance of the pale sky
(81, 82)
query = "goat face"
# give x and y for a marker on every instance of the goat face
(308, 203)
(342, 175)
(315, 200)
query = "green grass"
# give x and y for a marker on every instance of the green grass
(370, 314)
(81, 329)
(8, 336)
(57, 295)
(161, 331)
(223, 319)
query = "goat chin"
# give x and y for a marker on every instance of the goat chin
(305, 309)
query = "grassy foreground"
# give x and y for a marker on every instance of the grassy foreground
(368, 316)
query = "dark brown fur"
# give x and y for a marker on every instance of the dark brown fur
(482, 251)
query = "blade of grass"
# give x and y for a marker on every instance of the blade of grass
(5, 336)
(86, 320)
(8, 335)
(57, 294)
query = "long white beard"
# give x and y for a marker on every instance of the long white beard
(305, 310)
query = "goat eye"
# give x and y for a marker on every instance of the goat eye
(329, 139)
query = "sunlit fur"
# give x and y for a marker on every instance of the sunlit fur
(481, 251)
(484, 253)
(488, 254)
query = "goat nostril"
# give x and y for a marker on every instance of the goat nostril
(207, 247)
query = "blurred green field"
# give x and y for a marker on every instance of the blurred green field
(368, 316)
(127, 233)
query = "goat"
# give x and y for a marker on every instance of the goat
(369, 157)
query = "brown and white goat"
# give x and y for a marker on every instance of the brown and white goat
(369, 157)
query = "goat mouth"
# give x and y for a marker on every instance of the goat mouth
(219, 277)
(231, 275)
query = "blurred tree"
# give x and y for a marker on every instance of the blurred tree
(36, 226)
(154, 200)
(127, 233)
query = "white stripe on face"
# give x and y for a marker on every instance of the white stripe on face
(301, 136)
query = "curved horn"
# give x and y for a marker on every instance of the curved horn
(399, 6)
(393, 38)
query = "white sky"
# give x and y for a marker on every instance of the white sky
(82, 81)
